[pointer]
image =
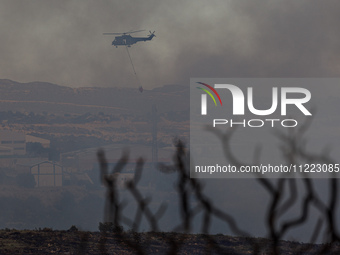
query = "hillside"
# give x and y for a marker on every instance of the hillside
(47, 241)
(94, 116)
(42, 96)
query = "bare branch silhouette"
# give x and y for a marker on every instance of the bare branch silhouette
(283, 194)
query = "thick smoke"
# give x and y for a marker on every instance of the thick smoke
(62, 42)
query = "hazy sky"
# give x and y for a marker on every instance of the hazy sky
(61, 41)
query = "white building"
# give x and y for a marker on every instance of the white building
(12, 143)
(33, 139)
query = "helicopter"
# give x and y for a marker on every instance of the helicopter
(127, 40)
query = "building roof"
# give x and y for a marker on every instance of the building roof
(34, 139)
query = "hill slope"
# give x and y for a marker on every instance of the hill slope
(43, 96)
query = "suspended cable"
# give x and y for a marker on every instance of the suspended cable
(133, 67)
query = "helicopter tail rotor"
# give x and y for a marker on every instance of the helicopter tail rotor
(152, 33)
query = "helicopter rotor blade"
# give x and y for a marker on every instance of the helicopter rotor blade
(113, 33)
(125, 33)
(135, 31)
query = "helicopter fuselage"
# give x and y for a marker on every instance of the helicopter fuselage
(128, 40)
